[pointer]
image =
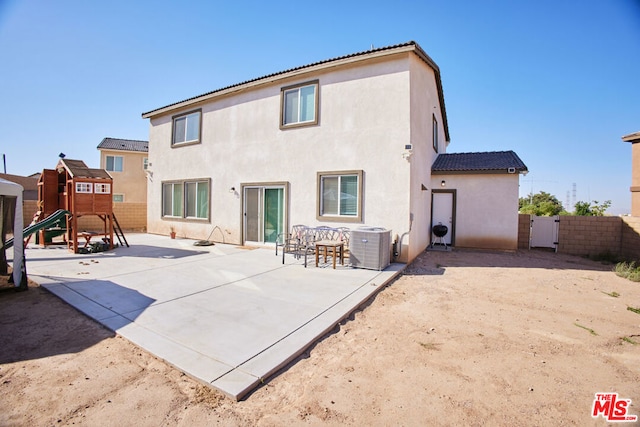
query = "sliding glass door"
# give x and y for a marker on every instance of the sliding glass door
(264, 213)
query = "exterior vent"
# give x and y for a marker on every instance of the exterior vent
(511, 170)
(370, 247)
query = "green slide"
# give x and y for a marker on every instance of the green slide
(48, 222)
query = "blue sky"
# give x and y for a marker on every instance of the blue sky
(557, 81)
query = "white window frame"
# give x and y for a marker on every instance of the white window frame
(114, 165)
(84, 187)
(100, 188)
(189, 118)
(296, 89)
(321, 215)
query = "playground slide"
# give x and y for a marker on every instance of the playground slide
(48, 222)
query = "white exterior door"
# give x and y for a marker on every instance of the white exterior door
(442, 213)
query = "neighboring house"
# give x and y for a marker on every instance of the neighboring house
(634, 139)
(126, 161)
(348, 141)
(29, 183)
(29, 195)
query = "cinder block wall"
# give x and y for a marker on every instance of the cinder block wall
(630, 248)
(524, 230)
(590, 235)
(131, 217)
(29, 209)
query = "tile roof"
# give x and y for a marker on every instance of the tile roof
(27, 182)
(410, 45)
(124, 145)
(495, 161)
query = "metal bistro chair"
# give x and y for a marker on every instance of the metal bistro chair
(289, 241)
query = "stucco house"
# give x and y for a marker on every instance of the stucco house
(348, 141)
(634, 139)
(126, 160)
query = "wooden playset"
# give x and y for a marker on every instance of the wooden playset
(81, 191)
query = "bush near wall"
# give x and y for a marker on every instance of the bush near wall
(591, 235)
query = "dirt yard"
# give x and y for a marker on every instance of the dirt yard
(462, 338)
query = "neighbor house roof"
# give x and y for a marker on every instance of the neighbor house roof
(487, 162)
(124, 145)
(27, 182)
(78, 169)
(632, 137)
(410, 46)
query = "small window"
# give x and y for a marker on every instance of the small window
(340, 196)
(145, 163)
(186, 199)
(102, 188)
(435, 133)
(186, 128)
(118, 198)
(299, 105)
(84, 187)
(114, 163)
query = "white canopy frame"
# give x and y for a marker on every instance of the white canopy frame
(8, 188)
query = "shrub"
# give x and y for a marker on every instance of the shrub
(628, 270)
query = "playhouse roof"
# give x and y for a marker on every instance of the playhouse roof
(78, 169)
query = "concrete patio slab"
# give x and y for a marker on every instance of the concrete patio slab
(226, 315)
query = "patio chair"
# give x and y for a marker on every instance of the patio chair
(288, 241)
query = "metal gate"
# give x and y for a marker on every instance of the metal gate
(544, 232)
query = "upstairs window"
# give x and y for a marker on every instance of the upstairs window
(145, 163)
(435, 133)
(299, 105)
(186, 128)
(114, 163)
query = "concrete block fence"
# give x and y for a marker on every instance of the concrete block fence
(591, 235)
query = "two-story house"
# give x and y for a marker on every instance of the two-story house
(348, 141)
(127, 162)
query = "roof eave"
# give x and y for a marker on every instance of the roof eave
(323, 65)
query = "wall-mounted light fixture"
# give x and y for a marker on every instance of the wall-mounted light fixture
(442, 184)
(423, 188)
(232, 190)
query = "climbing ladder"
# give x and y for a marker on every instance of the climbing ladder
(118, 231)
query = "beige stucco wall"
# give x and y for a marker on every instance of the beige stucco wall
(132, 181)
(486, 209)
(364, 124)
(424, 104)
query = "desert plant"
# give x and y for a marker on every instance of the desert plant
(628, 270)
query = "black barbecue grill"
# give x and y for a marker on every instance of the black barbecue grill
(440, 230)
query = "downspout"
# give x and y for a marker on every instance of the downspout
(397, 242)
